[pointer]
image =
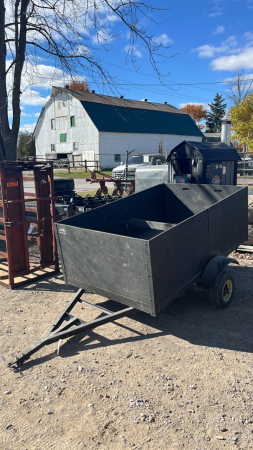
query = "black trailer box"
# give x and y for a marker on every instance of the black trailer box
(146, 249)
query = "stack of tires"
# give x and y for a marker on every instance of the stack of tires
(64, 187)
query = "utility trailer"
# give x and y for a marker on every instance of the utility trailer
(147, 249)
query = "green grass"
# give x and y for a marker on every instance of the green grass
(77, 174)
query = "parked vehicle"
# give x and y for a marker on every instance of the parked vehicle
(60, 163)
(133, 162)
(245, 166)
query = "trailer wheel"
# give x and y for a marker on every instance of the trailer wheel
(222, 294)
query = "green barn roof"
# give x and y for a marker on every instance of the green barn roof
(121, 115)
(120, 119)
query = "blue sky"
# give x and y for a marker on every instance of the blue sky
(208, 41)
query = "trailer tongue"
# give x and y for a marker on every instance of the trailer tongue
(145, 250)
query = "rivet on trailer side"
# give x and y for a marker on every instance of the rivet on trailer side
(147, 249)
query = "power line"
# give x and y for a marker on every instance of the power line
(129, 83)
(175, 82)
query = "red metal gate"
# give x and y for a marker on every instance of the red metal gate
(16, 230)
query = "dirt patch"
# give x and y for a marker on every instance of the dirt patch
(182, 380)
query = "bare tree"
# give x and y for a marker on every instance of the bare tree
(64, 33)
(240, 86)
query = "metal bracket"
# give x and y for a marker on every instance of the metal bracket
(67, 325)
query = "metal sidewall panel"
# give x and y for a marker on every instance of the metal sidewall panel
(228, 223)
(107, 264)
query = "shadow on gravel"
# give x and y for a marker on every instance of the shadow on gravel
(190, 317)
(54, 283)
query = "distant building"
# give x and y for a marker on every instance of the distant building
(212, 137)
(102, 128)
(224, 135)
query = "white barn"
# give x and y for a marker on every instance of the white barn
(101, 128)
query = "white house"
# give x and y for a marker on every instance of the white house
(101, 128)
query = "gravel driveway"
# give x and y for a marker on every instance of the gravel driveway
(182, 380)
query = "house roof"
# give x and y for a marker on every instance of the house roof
(209, 151)
(112, 114)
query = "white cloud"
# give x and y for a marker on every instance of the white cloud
(248, 36)
(23, 114)
(231, 41)
(36, 114)
(162, 40)
(28, 127)
(82, 50)
(216, 14)
(33, 98)
(229, 55)
(35, 77)
(104, 36)
(219, 30)
(133, 51)
(244, 60)
(217, 11)
(248, 76)
(209, 51)
(112, 18)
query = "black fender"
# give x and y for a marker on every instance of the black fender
(214, 269)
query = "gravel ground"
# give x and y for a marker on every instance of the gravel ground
(182, 380)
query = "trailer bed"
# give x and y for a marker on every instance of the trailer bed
(145, 250)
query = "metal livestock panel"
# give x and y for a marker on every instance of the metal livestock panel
(146, 249)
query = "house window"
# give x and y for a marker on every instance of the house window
(52, 147)
(117, 158)
(52, 124)
(72, 121)
(63, 137)
(75, 146)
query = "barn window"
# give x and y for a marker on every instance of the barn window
(52, 124)
(117, 158)
(52, 147)
(72, 121)
(63, 137)
(75, 146)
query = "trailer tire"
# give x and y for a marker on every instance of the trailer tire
(222, 294)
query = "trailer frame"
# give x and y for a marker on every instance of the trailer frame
(67, 325)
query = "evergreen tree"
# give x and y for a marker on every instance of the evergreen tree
(214, 118)
(26, 145)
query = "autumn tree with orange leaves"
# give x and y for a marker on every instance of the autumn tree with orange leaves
(79, 86)
(197, 112)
